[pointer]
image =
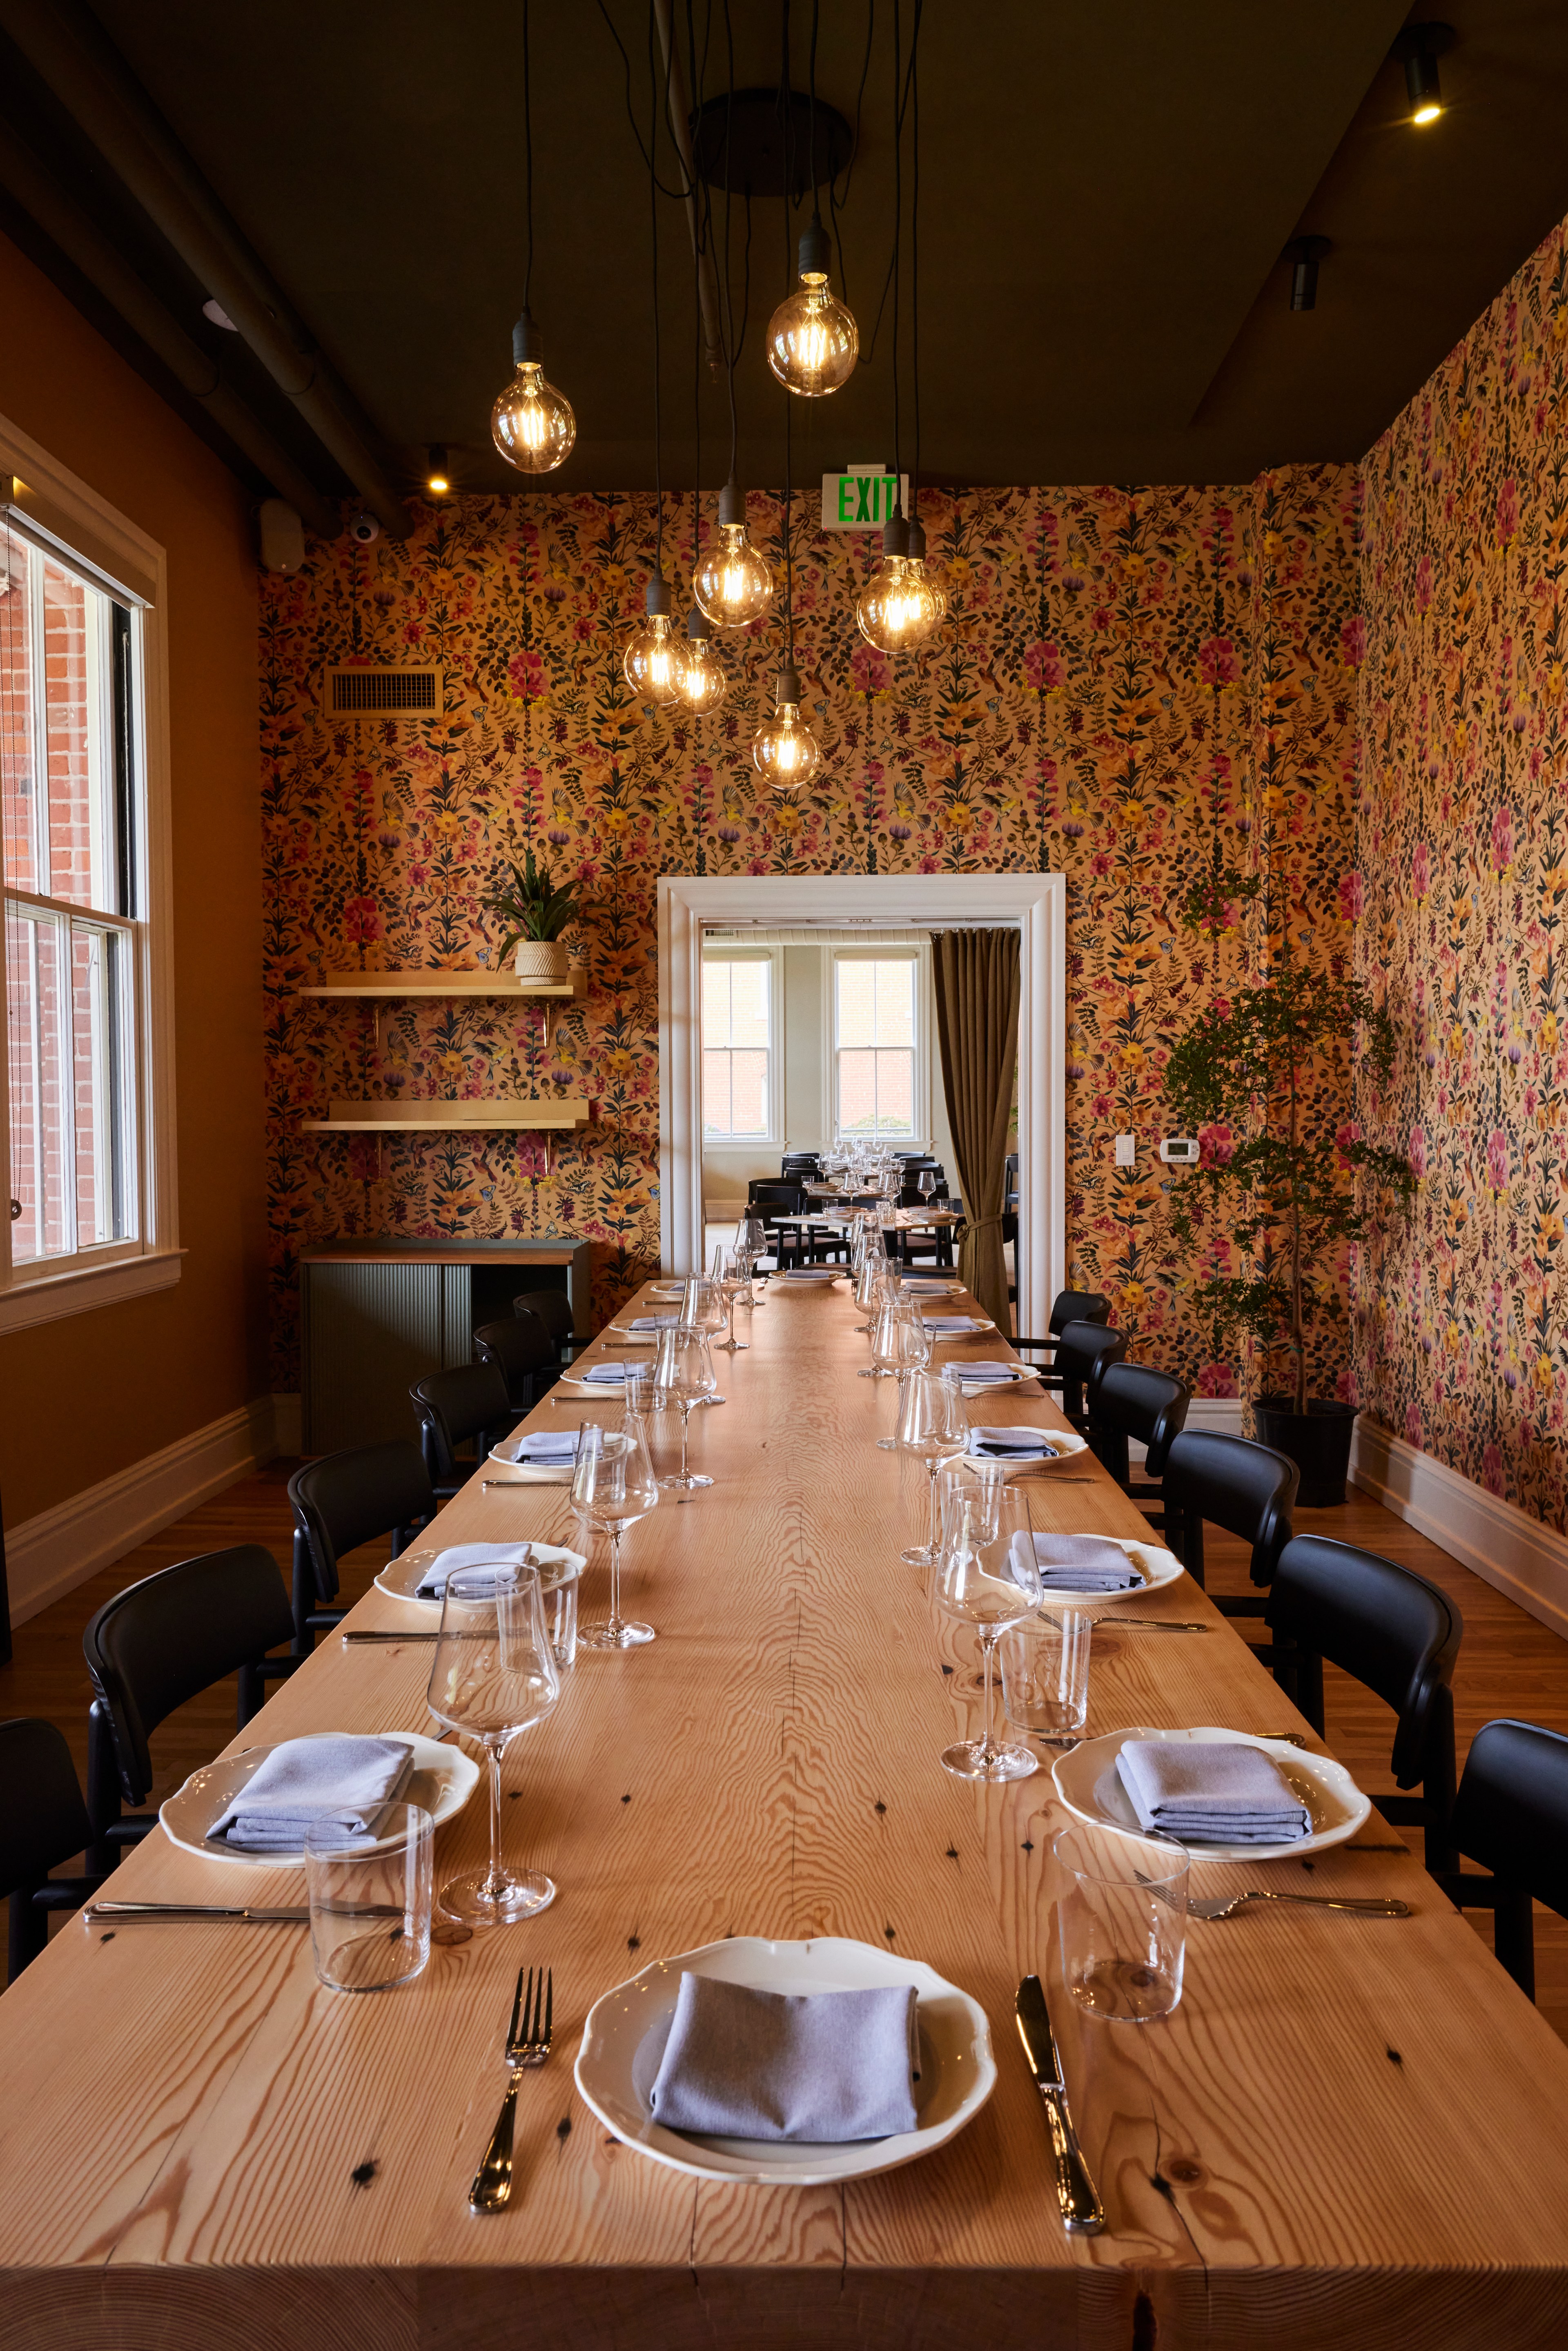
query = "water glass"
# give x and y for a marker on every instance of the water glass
(1122, 1917)
(370, 1899)
(1045, 1675)
(558, 1594)
(933, 1424)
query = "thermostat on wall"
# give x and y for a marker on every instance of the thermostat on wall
(1180, 1150)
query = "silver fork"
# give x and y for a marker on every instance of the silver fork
(527, 2043)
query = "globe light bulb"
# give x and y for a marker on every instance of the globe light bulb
(784, 751)
(653, 657)
(701, 683)
(812, 340)
(896, 610)
(532, 423)
(732, 583)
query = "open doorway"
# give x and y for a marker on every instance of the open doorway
(820, 1023)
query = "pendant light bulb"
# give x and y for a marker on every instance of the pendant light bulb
(812, 340)
(652, 658)
(784, 751)
(532, 422)
(896, 610)
(732, 583)
(701, 680)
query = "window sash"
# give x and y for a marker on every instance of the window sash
(73, 1084)
(893, 1068)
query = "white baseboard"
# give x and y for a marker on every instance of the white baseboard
(49, 1555)
(1497, 1541)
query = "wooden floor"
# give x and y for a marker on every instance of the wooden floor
(1508, 1663)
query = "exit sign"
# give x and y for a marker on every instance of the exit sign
(861, 498)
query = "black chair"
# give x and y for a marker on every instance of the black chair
(1077, 1350)
(551, 1310)
(1067, 1306)
(43, 1823)
(466, 1405)
(801, 1167)
(341, 1501)
(156, 1645)
(1130, 1402)
(1396, 1635)
(1512, 1816)
(1011, 1210)
(1247, 1489)
(524, 1354)
(780, 1207)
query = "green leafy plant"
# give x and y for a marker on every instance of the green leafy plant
(532, 905)
(1284, 1185)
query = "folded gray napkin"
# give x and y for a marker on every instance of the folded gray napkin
(545, 1445)
(603, 1375)
(817, 2066)
(812, 1273)
(653, 1322)
(431, 1584)
(1203, 1794)
(336, 1777)
(990, 1375)
(1082, 1563)
(953, 1322)
(1000, 1444)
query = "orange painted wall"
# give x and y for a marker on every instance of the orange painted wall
(86, 1395)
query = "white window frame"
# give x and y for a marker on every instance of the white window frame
(64, 514)
(716, 1145)
(919, 955)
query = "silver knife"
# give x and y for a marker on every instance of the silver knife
(1083, 2213)
(127, 1913)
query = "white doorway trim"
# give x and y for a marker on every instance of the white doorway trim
(1037, 903)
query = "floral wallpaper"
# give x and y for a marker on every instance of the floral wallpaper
(1134, 688)
(1458, 891)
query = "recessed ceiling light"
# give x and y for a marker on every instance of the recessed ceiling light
(1417, 49)
(437, 480)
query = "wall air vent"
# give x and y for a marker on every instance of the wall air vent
(379, 692)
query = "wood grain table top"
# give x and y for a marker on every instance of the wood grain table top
(1351, 2132)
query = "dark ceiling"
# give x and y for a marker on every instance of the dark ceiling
(1106, 192)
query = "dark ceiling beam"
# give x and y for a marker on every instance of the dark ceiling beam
(69, 56)
(68, 228)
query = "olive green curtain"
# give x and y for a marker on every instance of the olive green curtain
(976, 975)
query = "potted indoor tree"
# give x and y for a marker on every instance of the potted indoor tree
(1288, 1186)
(536, 912)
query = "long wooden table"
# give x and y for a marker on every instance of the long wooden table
(1350, 2133)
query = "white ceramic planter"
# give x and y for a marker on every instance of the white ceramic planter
(543, 961)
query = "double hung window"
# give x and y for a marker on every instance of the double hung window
(737, 1048)
(876, 1046)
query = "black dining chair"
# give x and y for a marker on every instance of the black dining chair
(341, 1501)
(1134, 1404)
(551, 1310)
(1396, 1635)
(161, 1642)
(1067, 1306)
(524, 1354)
(1247, 1489)
(467, 1404)
(1511, 1816)
(1078, 1352)
(781, 1207)
(43, 1823)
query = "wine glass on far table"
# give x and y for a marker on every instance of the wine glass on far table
(925, 1184)
(728, 1278)
(985, 1576)
(613, 1486)
(494, 1673)
(932, 1425)
(683, 1375)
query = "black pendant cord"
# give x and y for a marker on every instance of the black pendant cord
(732, 351)
(811, 118)
(789, 539)
(528, 166)
(914, 254)
(787, 114)
(897, 236)
(653, 231)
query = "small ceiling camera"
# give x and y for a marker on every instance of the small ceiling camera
(365, 528)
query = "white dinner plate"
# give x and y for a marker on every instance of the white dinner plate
(1021, 1378)
(1089, 1784)
(1156, 1566)
(977, 1327)
(535, 1473)
(623, 2041)
(443, 1780)
(824, 1279)
(399, 1577)
(1065, 1442)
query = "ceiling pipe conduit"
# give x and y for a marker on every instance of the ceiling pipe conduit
(67, 226)
(191, 226)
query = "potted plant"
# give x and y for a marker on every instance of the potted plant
(1285, 1184)
(535, 914)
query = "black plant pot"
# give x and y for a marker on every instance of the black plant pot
(1317, 1441)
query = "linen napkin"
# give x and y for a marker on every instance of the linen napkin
(1005, 1444)
(545, 1445)
(1211, 1794)
(954, 1325)
(337, 1777)
(989, 1375)
(819, 2067)
(1080, 1564)
(603, 1375)
(652, 1323)
(812, 1273)
(431, 1584)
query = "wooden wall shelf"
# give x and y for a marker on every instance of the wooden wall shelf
(434, 1117)
(445, 983)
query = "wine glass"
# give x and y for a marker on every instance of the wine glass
(683, 1375)
(987, 1575)
(933, 1425)
(925, 1183)
(729, 1278)
(613, 1486)
(908, 1350)
(494, 1673)
(704, 1309)
(751, 1236)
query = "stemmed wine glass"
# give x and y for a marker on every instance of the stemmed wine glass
(683, 1375)
(925, 1183)
(704, 1309)
(933, 1425)
(907, 1349)
(729, 1278)
(885, 1295)
(751, 1241)
(987, 1575)
(493, 1674)
(613, 1486)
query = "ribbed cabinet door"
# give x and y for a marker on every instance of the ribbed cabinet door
(457, 1315)
(371, 1330)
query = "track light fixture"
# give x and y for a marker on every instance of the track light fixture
(1304, 253)
(1417, 49)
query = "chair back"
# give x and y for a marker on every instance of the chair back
(1082, 1350)
(43, 1820)
(1511, 1812)
(162, 1640)
(1247, 1489)
(350, 1498)
(552, 1310)
(1387, 1627)
(467, 1401)
(1130, 1400)
(518, 1350)
(1079, 1306)
(800, 1162)
(775, 1200)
